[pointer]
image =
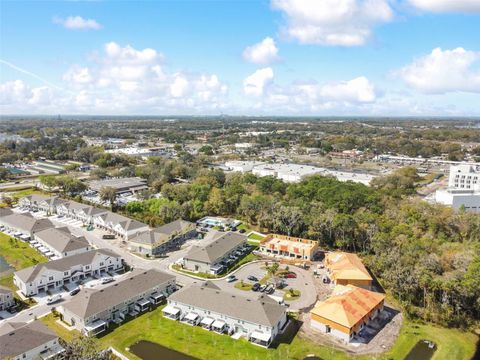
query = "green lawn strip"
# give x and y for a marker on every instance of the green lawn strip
(254, 236)
(244, 286)
(19, 254)
(51, 321)
(203, 344)
(291, 295)
(25, 191)
(452, 344)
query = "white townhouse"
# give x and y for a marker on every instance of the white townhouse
(60, 242)
(259, 320)
(24, 224)
(92, 310)
(39, 202)
(56, 273)
(79, 211)
(208, 258)
(29, 341)
(6, 298)
(119, 225)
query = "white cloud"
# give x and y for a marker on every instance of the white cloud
(333, 22)
(355, 90)
(77, 23)
(263, 52)
(122, 79)
(256, 83)
(444, 6)
(443, 71)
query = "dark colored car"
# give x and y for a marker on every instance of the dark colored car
(241, 231)
(256, 286)
(75, 291)
(252, 278)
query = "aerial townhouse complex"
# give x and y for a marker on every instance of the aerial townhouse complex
(162, 239)
(7, 300)
(259, 320)
(23, 225)
(347, 269)
(28, 341)
(213, 257)
(347, 311)
(288, 247)
(92, 310)
(56, 273)
(60, 242)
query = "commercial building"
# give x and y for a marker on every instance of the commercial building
(28, 341)
(56, 273)
(259, 320)
(7, 301)
(347, 269)
(346, 312)
(121, 185)
(463, 189)
(92, 310)
(23, 225)
(162, 239)
(208, 258)
(60, 242)
(242, 166)
(287, 172)
(288, 247)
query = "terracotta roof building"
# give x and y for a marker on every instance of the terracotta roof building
(347, 311)
(347, 269)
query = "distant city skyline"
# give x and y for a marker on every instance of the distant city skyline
(278, 57)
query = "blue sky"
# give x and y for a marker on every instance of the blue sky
(298, 57)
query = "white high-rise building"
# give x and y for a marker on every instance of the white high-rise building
(463, 188)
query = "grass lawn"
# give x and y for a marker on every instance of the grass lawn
(451, 344)
(25, 191)
(291, 295)
(64, 333)
(244, 286)
(19, 254)
(254, 236)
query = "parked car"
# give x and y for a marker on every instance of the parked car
(268, 288)
(256, 286)
(231, 278)
(252, 278)
(289, 275)
(241, 231)
(107, 280)
(108, 236)
(262, 288)
(74, 291)
(53, 299)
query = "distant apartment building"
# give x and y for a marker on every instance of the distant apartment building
(259, 320)
(162, 239)
(7, 300)
(24, 225)
(92, 310)
(463, 189)
(28, 341)
(208, 258)
(121, 185)
(347, 269)
(288, 247)
(61, 242)
(56, 273)
(346, 312)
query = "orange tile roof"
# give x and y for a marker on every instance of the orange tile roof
(348, 305)
(346, 266)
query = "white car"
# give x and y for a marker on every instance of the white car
(53, 299)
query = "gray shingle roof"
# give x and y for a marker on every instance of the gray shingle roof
(164, 233)
(90, 301)
(63, 264)
(118, 184)
(18, 338)
(5, 290)
(4, 211)
(26, 223)
(216, 249)
(61, 239)
(207, 296)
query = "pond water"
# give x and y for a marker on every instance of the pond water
(147, 350)
(423, 350)
(4, 266)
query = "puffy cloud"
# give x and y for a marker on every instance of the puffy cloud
(121, 79)
(444, 6)
(256, 83)
(333, 22)
(263, 52)
(77, 23)
(443, 71)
